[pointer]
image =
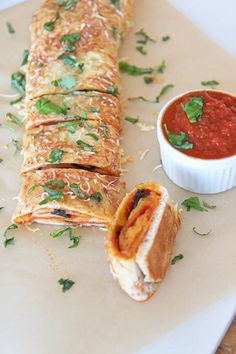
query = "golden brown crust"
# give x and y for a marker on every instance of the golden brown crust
(95, 21)
(160, 253)
(84, 144)
(101, 107)
(74, 209)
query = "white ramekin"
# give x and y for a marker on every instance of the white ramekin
(194, 174)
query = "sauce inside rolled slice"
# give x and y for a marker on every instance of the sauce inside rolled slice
(140, 240)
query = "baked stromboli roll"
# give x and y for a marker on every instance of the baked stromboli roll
(68, 196)
(77, 143)
(140, 239)
(101, 107)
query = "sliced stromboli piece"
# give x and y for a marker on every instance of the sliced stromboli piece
(68, 196)
(79, 143)
(101, 107)
(140, 239)
(98, 23)
(62, 72)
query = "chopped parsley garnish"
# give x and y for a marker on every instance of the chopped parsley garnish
(81, 121)
(67, 4)
(53, 194)
(193, 109)
(25, 57)
(193, 203)
(179, 141)
(44, 106)
(71, 126)
(132, 120)
(55, 156)
(77, 192)
(53, 182)
(67, 82)
(18, 82)
(56, 183)
(70, 40)
(157, 99)
(31, 189)
(201, 234)
(115, 3)
(115, 31)
(148, 80)
(49, 26)
(208, 206)
(163, 91)
(112, 90)
(144, 38)
(17, 100)
(40, 65)
(92, 135)
(1, 160)
(17, 145)
(82, 195)
(9, 240)
(96, 196)
(66, 284)
(14, 119)
(72, 62)
(10, 28)
(75, 239)
(61, 231)
(103, 128)
(140, 98)
(141, 50)
(134, 70)
(94, 110)
(165, 38)
(177, 258)
(210, 83)
(85, 146)
(161, 68)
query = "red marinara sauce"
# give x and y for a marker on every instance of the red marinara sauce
(213, 136)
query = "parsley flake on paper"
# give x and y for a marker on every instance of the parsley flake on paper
(193, 203)
(177, 258)
(66, 284)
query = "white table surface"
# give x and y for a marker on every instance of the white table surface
(203, 333)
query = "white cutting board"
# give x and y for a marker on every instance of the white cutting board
(195, 303)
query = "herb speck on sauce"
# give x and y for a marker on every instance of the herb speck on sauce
(209, 122)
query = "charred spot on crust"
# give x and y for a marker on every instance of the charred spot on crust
(60, 212)
(141, 193)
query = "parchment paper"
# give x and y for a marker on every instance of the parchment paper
(95, 316)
